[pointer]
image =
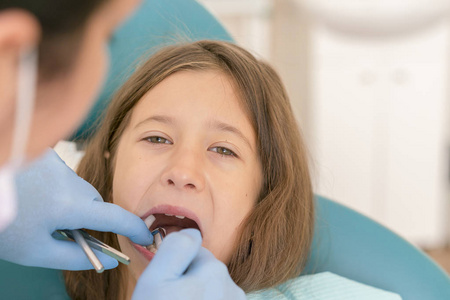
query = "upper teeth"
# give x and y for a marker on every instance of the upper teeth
(179, 217)
(149, 220)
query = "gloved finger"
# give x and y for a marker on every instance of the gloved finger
(174, 255)
(206, 264)
(68, 255)
(215, 276)
(103, 216)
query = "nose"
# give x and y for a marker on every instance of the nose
(184, 171)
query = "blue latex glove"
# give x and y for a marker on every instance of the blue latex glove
(182, 269)
(52, 196)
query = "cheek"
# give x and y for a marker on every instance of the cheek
(94, 64)
(246, 188)
(62, 106)
(237, 203)
(123, 191)
(234, 208)
(222, 242)
(87, 78)
(121, 185)
(132, 179)
(137, 264)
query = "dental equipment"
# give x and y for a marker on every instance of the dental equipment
(158, 236)
(86, 242)
(79, 239)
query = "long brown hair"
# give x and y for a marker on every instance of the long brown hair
(276, 236)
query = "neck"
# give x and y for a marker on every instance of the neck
(6, 132)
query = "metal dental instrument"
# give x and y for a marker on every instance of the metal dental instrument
(88, 251)
(158, 236)
(86, 242)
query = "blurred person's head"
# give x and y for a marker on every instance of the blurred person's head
(70, 37)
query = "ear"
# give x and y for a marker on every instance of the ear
(19, 29)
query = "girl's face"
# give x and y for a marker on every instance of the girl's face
(188, 151)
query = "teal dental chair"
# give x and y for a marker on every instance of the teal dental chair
(345, 242)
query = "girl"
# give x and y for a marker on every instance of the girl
(203, 136)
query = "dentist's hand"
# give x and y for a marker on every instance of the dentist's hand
(182, 269)
(52, 196)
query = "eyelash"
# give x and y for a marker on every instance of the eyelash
(149, 139)
(231, 153)
(157, 140)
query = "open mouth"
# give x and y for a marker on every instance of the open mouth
(169, 223)
(172, 223)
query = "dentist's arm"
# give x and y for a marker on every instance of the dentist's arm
(52, 196)
(182, 269)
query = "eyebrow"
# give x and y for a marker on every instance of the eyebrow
(157, 118)
(221, 126)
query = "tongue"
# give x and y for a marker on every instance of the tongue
(170, 229)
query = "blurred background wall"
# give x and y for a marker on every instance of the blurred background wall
(368, 81)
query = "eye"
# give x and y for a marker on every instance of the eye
(223, 151)
(158, 140)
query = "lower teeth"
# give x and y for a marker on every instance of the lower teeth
(152, 248)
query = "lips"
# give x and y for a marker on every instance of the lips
(143, 251)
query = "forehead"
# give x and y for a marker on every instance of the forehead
(208, 93)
